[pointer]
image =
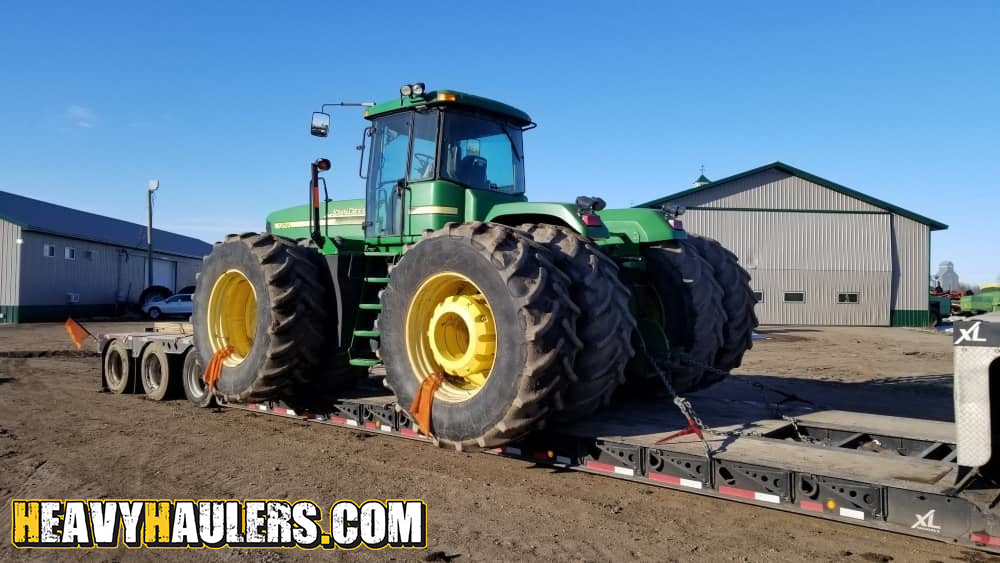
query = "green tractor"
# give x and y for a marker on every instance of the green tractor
(986, 301)
(503, 314)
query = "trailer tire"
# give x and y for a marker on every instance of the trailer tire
(195, 388)
(279, 284)
(691, 303)
(605, 325)
(737, 299)
(117, 368)
(155, 373)
(513, 288)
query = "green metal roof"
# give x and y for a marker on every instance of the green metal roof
(449, 98)
(702, 180)
(934, 225)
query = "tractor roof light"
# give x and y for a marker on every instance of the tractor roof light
(411, 90)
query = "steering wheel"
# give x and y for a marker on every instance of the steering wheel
(424, 162)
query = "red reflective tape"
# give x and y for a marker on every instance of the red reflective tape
(279, 410)
(541, 456)
(407, 432)
(600, 466)
(371, 425)
(811, 506)
(734, 492)
(252, 406)
(665, 478)
(338, 420)
(984, 539)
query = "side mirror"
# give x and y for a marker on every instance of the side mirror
(320, 126)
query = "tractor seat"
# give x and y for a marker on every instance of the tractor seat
(472, 172)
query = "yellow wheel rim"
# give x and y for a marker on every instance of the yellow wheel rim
(450, 329)
(232, 316)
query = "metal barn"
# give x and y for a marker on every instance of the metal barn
(819, 253)
(56, 261)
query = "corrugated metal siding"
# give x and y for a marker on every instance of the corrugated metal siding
(821, 254)
(911, 263)
(821, 290)
(110, 269)
(10, 263)
(774, 189)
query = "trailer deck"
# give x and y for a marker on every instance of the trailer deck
(806, 455)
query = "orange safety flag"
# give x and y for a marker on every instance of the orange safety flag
(421, 407)
(77, 333)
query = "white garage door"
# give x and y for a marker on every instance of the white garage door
(164, 273)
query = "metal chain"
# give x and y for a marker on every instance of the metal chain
(680, 359)
(683, 405)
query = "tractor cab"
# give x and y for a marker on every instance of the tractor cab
(427, 149)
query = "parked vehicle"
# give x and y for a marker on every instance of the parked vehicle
(175, 305)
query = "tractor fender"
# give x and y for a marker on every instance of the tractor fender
(563, 214)
(638, 225)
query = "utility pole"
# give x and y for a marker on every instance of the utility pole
(153, 186)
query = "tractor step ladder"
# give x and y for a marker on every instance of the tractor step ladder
(364, 338)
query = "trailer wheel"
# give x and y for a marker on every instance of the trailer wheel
(195, 388)
(117, 368)
(154, 372)
(693, 315)
(486, 307)
(605, 325)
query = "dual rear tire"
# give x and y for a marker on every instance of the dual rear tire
(484, 306)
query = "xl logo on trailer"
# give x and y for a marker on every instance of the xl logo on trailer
(970, 334)
(926, 523)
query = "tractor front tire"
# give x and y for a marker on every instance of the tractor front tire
(261, 295)
(605, 325)
(693, 315)
(485, 306)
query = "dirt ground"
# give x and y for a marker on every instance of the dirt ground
(61, 438)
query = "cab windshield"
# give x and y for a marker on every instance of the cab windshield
(482, 152)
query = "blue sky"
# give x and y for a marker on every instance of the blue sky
(896, 99)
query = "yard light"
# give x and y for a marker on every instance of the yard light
(323, 164)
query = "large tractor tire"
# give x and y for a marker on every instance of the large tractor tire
(263, 296)
(485, 306)
(605, 325)
(334, 373)
(737, 299)
(692, 312)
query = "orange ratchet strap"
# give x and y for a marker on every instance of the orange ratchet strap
(214, 369)
(421, 407)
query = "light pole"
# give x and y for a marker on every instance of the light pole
(153, 186)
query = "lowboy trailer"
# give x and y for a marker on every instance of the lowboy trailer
(921, 477)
